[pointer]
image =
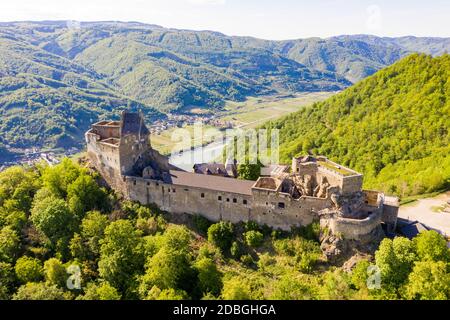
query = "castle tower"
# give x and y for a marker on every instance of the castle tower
(134, 140)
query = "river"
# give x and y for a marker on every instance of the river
(208, 153)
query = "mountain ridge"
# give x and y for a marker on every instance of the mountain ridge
(392, 126)
(115, 65)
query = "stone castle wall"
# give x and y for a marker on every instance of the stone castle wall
(260, 207)
(351, 184)
(122, 160)
(106, 159)
(351, 228)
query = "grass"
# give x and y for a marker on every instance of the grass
(164, 143)
(438, 209)
(245, 115)
(340, 170)
(257, 110)
(412, 199)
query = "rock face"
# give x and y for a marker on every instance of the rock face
(339, 250)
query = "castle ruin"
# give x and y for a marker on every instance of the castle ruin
(314, 188)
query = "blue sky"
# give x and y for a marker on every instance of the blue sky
(269, 19)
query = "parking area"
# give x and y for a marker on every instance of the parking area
(427, 211)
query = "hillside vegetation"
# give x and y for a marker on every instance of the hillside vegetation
(394, 127)
(56, 78)
(62, 237)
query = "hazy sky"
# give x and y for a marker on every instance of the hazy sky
(269, 19)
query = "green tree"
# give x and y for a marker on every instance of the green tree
(221, 235)
(395, 258)
(236, 289)
(254, 238)
(120, 256)
(9, 244)
(169, 268)
(18, 185)
(166, 294)
(101, 291)
(7, 278)
(55, 272)
(431, 246)
(176, 237)
(84, 194)
(429, 280)
(247, 171)
(58, 178)
(360, 274)
(39, 291)
(92, 230)
(53, 218)
(28, 269)
(209, 277)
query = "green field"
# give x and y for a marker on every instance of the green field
(248, 114)
(257, 110)
(164, 143)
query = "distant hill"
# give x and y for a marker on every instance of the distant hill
(56, 78)
(393, 126)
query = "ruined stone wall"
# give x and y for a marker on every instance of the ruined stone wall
(107, 131)
(106, 159)
(390, 213)
(351, 184)
(353, 229)
(131, 150)
(334, 179)
(309, 168)
(371, 198)
(261, 207)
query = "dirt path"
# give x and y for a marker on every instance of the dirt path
(422, 211)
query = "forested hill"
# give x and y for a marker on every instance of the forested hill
(394, 127)
(57, 77)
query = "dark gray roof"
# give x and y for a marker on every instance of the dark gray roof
(133, 123)
(304, 159)
(217, 183)
(210, 168)
(412, 230)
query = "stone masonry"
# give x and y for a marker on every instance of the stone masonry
(314, 189)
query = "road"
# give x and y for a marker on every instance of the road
(422, 211)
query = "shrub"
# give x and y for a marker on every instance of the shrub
(265, 261)
(202, 224)
(28, 269)
(39, 291)
(147, 226)
(236, 289)
(254, 238)
(209, 278)
(221, 235)
(247, 259)
(236, 250)
(251, 226)
(310, 231)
